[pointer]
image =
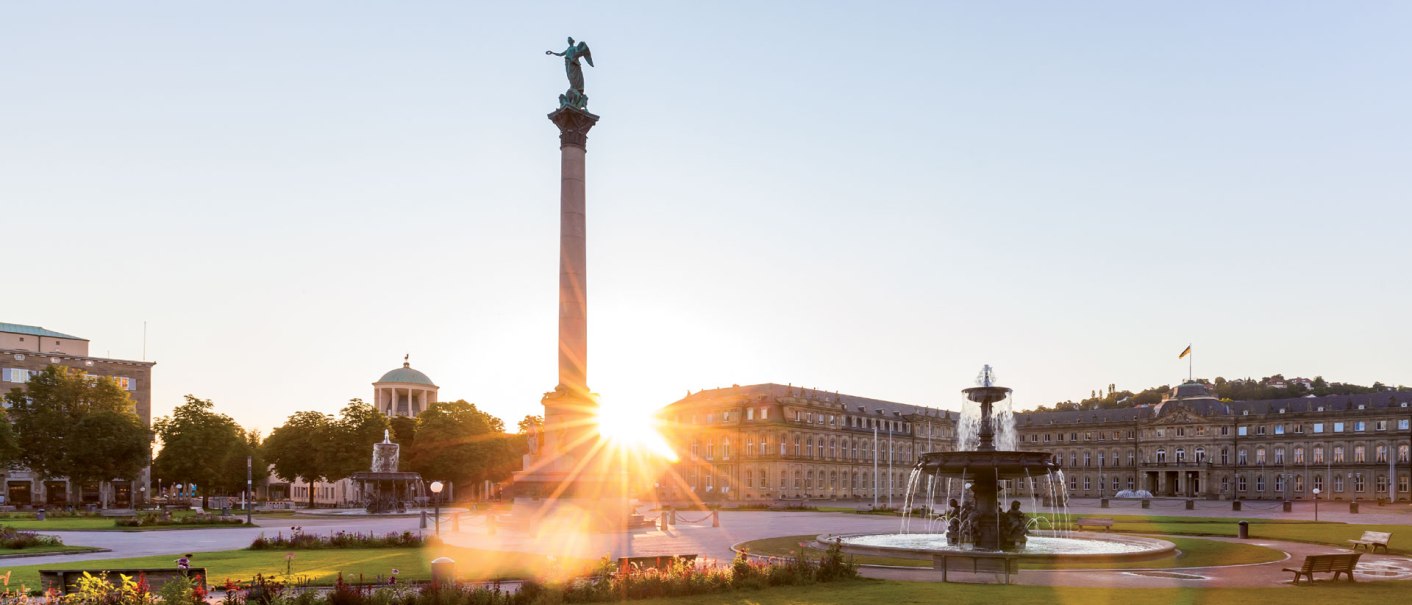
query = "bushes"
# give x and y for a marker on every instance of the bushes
(298, 540)
(159, 519)
(13, 538)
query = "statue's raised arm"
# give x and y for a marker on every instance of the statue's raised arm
(574, 97)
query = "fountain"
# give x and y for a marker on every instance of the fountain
(384, 488)
(975, 478)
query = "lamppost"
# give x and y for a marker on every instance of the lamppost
(436, 497)
(1316, 504)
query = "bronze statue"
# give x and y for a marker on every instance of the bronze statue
(1015, 527)
(574, 97)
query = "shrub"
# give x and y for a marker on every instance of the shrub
(16, 539)
(159, 519)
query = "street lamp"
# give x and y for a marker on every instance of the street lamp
(1316, 504)
(436, 497)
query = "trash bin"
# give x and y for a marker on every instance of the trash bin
(1103, 503)
(1190, 504)
(1353, 507)
(1235, 505)
(1244, 530)
(1146, 503)
(1287, 507)
(39, 514)
(443, 571)
(225, 511)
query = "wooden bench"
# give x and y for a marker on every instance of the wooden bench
(1106, 524)
(63, 580)
(1336, 564)
(1371, 540)
(662, 563)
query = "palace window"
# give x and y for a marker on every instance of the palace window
(1161, 456)
(749, 415)
(1360, 454)
(1299, 484)
(1225, 431)
(1358, 482)
(1360, 426)
(796, 446)
(1225, 456)
(1200, 455)
(1299, 455)
(1279, 483)
(809, 447)
(1181, 455)
(1402, 424)
(1240, 483)
(1279, 430)
(1087, 461)
(1225, 484)
(750, 446)
(1318, 482)
(1101, 459)
(1402, 483)
(764, 413)
(1382, 484)
(1318, 427)
(1338, 483)
(726, 449)
(1318, 454)
(1241, 457)
(749, 478)
(1338, 427)
(1279, 455)
(1243, 431)
(1338, 453)
(1260, 455)
(1260, 430)
(1380, 425)
(1402, 453)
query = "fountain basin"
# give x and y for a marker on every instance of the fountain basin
(988, 464)
(1042, 546)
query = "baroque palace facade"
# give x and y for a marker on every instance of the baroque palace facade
(771, 442)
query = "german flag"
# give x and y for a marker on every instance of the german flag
(1185, 352)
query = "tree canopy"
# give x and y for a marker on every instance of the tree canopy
(314, 446)
(457, 442)
(70, 424)
(202, 447)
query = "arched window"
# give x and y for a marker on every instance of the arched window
(808, 448)
(796, 446)
(833, 448)
(726, 449)
(1200, 455)
(1161, 455)
(1260, 458)
(1181, 455)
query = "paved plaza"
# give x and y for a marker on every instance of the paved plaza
(694, 534)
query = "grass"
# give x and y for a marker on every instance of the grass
(1294, 530)
(878, 592)
(28, 522)
(323, 566)
(1191, 552)
(44, 550)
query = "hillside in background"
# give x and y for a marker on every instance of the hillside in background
(1238, 389)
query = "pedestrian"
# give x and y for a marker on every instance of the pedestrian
(184, 563)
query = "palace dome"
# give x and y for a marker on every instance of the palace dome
(405, 375)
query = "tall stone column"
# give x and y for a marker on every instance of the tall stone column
(569, 410)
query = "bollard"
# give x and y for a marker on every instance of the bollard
(1235, 505)
(1288, 506)
(674, 516)
(663, 520)
(716, 516)
(443, 571)
(1353, 507)
(1190, 504)
(1103, 503)
(1243, 531)
(424, 519)
(1146, 503)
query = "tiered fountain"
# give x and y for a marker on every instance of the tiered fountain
(970, 482)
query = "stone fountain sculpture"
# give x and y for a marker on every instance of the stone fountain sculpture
(984, 525)
(385, 489)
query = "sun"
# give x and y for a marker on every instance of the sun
(632, 430)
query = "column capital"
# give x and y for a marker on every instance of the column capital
(574, 125)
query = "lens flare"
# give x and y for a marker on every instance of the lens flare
(633, 431)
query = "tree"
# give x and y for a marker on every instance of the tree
(299, 448)
(202, 447)
(458, 442)
(404, 431)
(359, 426)
(70, 424)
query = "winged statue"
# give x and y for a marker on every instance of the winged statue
(574, 97)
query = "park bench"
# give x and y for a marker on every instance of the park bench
(63, 580)
(661, 563)
(1371, 540)
(1335, 564)
(1106, 524)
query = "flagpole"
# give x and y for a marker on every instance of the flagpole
(1190, 359)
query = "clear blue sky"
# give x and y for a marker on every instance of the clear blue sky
(875, 198)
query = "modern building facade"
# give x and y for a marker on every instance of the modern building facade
(26, 350)
(770, 442)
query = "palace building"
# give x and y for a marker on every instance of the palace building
(771, 442)
(27, 350)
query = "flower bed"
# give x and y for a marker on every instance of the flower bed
(15, 539)
(159, 520)
(298, 539)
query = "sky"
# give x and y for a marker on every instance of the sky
(875, 198)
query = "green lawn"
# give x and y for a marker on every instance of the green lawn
(1295, 530)
(14, 553)
(28, 522)
(1191, 552)
(323, 566)
(877, 592)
